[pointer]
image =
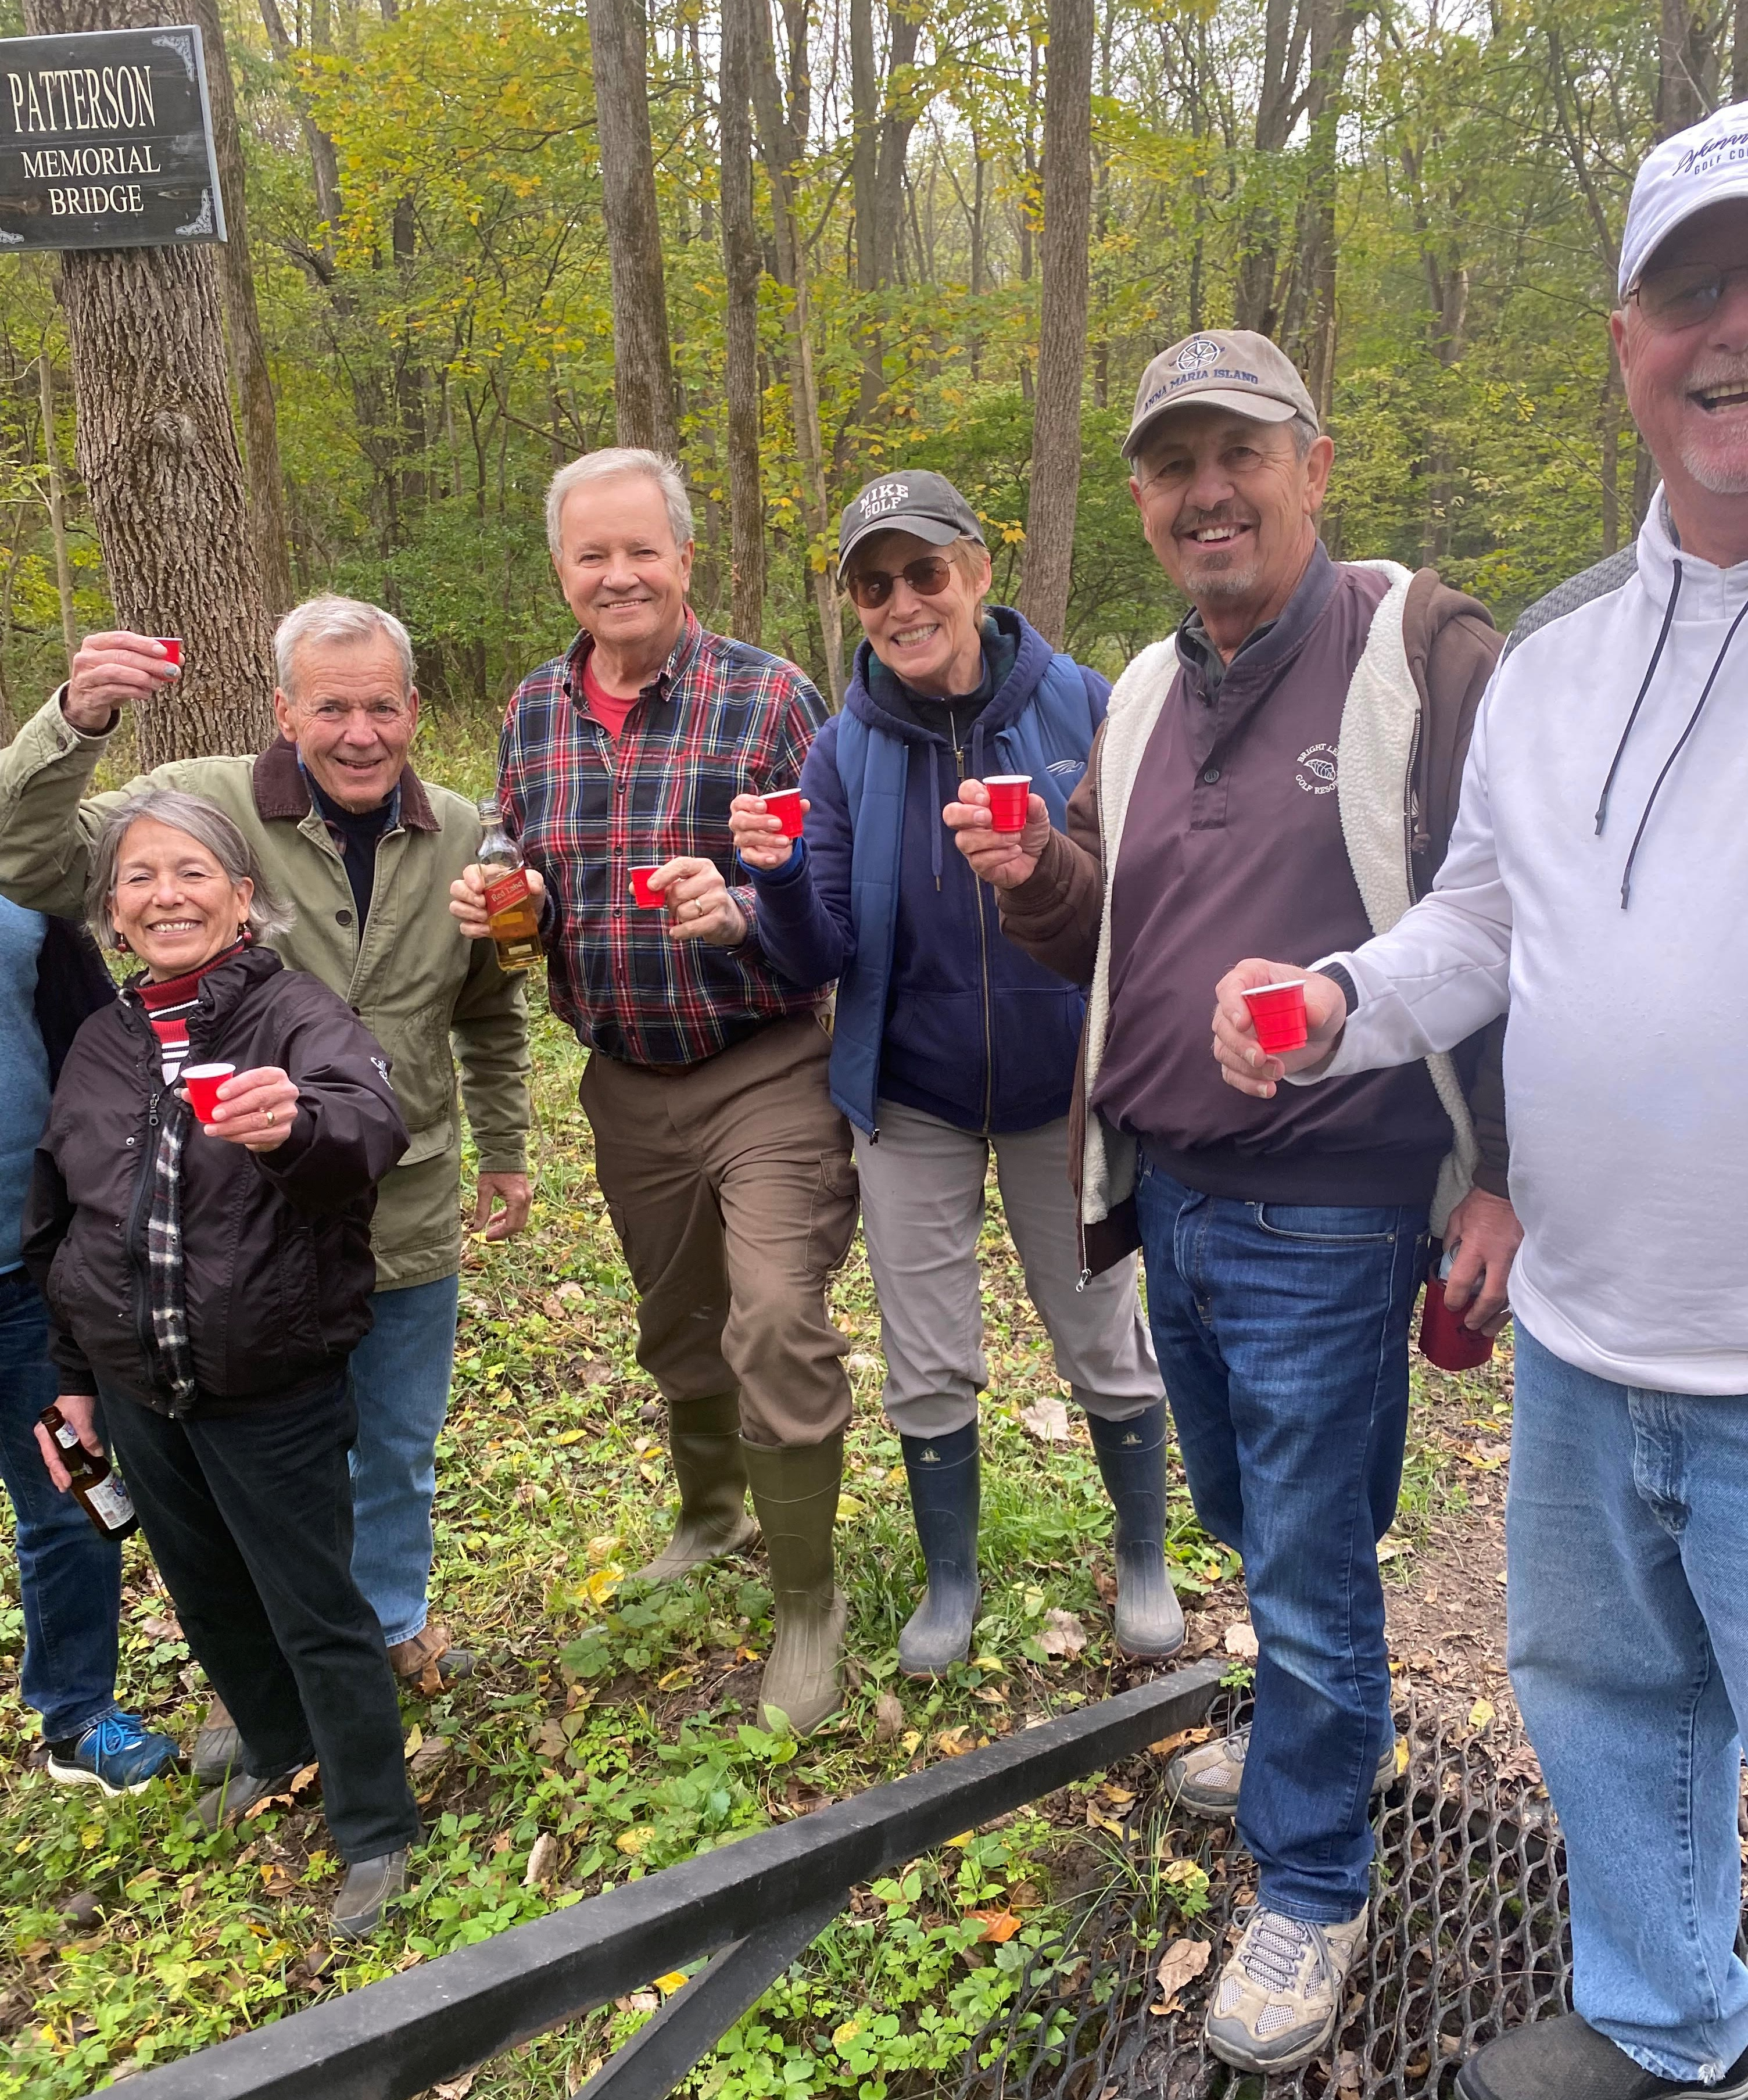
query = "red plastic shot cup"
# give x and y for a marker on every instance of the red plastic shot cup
(786, 807)
(202, 1082)
(647, 899)
(1009, 793)
(1277, 1014)
(1444, 1339)
(171, 644)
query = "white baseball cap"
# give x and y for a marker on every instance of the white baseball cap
(1699, 166)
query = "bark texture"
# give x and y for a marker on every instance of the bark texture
(248, 349)
(643, 373)
(1062, 319)
(740, 253)
(158, 452)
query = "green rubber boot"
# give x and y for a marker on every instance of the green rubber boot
(703, 1441)
(795, 1490)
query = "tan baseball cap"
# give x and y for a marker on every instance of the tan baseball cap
(1233, 368)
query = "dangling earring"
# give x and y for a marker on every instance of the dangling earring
(120, 945)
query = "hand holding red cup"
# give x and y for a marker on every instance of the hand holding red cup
(1277, 1014)
(201, 1082)
(646, 898)
(785, 806)
(1009, 795)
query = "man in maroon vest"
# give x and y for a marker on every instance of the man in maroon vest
(1288, 762)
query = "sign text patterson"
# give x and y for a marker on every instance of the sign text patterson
(106, 141)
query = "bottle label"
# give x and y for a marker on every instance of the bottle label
(111, 1502)
(507, 890)
(67, 1436)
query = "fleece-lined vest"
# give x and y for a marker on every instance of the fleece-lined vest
(1380, 722)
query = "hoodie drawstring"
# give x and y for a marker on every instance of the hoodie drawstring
(1650, 672)
(1712, 679)
(976, 750)
(935, 828)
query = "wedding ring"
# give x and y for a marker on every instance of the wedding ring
(270, 1116)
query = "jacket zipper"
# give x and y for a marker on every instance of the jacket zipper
(136, 1221)
(989, 1045)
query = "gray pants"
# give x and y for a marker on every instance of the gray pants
(922, 1209)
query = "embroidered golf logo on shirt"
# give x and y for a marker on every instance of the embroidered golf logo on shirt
(1195, 354)
(1317, 762)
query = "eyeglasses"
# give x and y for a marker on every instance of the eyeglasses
(1684, 294)
(928, 576)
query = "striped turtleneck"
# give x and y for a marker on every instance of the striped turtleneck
(169, 1001)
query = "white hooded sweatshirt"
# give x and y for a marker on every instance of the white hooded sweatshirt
(1627, 1045)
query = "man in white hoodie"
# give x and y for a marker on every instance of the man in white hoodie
(1597, 882)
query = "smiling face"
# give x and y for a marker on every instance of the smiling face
(1688, 387)
(934, 644)
(173, 903)
(1229, 506)
(623, 575)
(351, 714)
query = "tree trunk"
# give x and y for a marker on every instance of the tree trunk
(69, 631)
(779, 146)
(1739, 51)
(740, 255)
(1062, 320)
(158, 452)
(249, 351)
(1310, 322)
(1682, 52)
(1285, 31)
(642, 372)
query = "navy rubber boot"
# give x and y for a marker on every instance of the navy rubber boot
(1132, 1457)
(945, 1498)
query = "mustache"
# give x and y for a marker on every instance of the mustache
(1708, 374)
(1222, 513)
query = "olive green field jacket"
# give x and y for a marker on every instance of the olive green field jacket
(415, 981)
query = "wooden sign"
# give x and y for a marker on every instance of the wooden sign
(106, 141)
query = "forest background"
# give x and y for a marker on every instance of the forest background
(1423, 202)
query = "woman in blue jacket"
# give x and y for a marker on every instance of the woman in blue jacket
(949, 1043)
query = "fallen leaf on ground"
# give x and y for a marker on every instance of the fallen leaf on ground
(1106, 1583)
(636, 2001)
(1480, 1712)
(954, 1742)
(1401, 1756)
(1061, 1634)
(1180, 1965)
(1348, 2072)
(1240, 1639)
(1167, 1744)
(163, 1630)
(1522, 1763)
(888, 1718)
(998, 1925)
(278, 1881)
(674, 1980)
(543, 1861)
(847, 1508)
(549, 1740)
(909, 1740)
(454, 2089)
(1118, 1793)
(1047, 1419)
(599, 1550)
(1096, 1820)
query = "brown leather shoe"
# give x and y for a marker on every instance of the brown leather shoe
(429, 1660)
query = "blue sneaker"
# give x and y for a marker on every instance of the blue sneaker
(117, 1753)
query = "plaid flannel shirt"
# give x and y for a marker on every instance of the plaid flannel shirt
(720, 719)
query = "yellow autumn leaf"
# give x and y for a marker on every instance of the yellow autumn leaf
(571, 1437)
(1401, 1756)
(1480, 1712)
(962, 1840)
(635, 1840)
(603, 1583)
(847, 1508)
(909, 1740)
(843, 2036)
(674, 1980)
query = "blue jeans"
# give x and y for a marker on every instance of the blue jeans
(1281, 1330)
(400, 1380)
(1626, 1552)
(68, 1577)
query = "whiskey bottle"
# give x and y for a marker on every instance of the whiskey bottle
(515, 921)
(96, 1484)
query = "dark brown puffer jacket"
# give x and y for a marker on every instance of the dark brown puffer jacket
(277, 1267)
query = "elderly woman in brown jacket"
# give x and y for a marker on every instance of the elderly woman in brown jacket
(206, 1281)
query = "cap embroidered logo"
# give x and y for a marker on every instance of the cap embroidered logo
(883, 496)
(1196, 353)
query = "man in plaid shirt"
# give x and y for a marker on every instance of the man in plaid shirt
(727, 1169)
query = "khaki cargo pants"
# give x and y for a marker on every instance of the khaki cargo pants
(732, 1187)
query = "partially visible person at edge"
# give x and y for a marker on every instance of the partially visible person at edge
(205, 1286)
(344, 826)
(69, 1575)
(1598, 879)
(949, 1045)
(1290, 760)
(726, 1167)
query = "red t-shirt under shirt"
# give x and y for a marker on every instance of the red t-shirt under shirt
(608, 709)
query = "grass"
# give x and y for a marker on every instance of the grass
(609, 1734)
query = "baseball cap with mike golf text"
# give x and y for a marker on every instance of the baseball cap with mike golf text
(1234, 368)
(923, 504)
(1700, 166)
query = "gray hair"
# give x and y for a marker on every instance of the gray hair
(204, 822)
(1304, 432)
(329, 619)
(604, 465)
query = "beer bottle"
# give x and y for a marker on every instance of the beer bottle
(515, 921)
(98, 1487)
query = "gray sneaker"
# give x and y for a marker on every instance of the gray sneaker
(1206, 1779)
(369, 1887)
(1277, 2003)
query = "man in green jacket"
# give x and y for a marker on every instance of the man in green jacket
(345, 827)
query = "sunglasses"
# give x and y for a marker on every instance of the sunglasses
(1683, 295)
(928, 576)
